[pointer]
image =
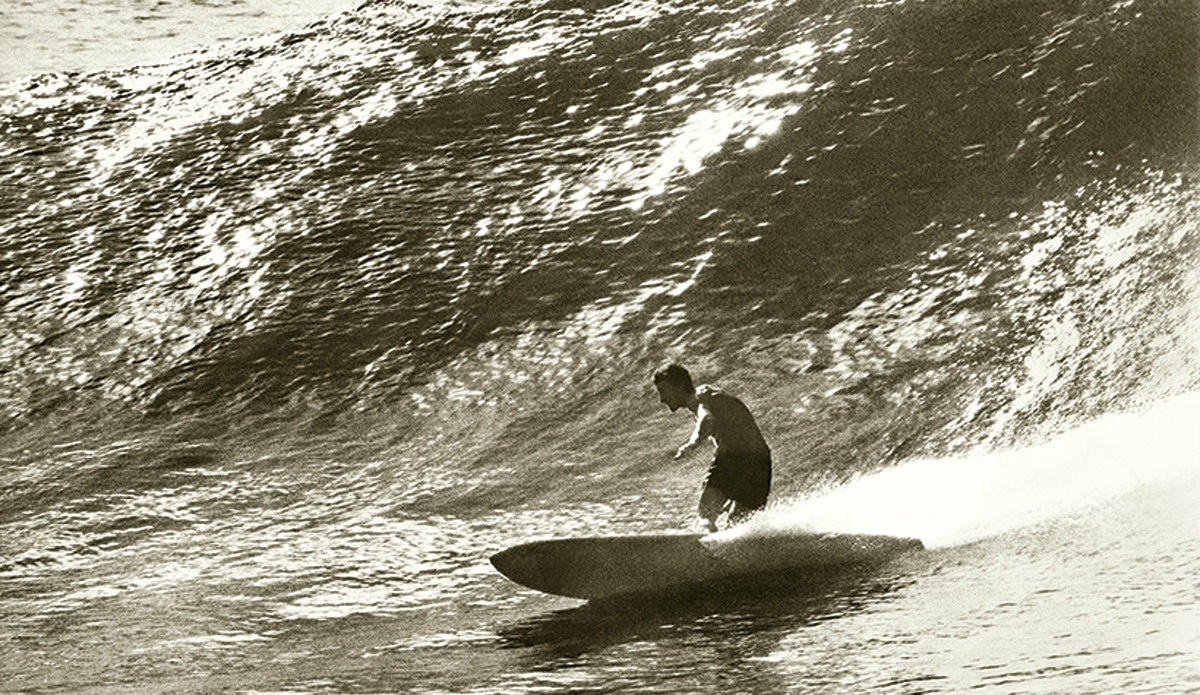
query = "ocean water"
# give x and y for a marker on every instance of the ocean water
(300, 327)
(91, 35)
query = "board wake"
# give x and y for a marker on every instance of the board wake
(608, 566)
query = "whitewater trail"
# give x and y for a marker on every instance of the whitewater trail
(954, 501)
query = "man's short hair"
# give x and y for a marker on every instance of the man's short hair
(674, 374)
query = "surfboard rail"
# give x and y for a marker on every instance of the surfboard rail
(599, 567)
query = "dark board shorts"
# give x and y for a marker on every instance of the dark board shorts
(742, 477)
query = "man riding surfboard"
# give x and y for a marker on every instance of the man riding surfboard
(739, 477)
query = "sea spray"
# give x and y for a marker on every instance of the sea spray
(954, 501)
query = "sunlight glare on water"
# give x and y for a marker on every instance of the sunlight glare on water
(298, 330)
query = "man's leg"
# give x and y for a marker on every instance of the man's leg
(712, 503)
(738, 512)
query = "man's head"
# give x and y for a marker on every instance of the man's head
(674, 386)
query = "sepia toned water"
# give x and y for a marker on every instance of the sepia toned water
(299, 325)
(93, 35)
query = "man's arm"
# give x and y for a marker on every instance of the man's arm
(703, 430)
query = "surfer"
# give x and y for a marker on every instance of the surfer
(739, 477)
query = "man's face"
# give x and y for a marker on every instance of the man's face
(672, 395)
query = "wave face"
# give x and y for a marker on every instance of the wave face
(895, 230)
(406, 273)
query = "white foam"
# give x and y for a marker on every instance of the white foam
(947, 502)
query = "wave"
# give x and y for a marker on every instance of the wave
(917, 226)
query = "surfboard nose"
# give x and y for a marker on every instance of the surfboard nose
(524, 565)
(508, 562)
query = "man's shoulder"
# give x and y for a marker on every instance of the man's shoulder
(710, 394)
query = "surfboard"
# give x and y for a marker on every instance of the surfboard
(608, 566)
